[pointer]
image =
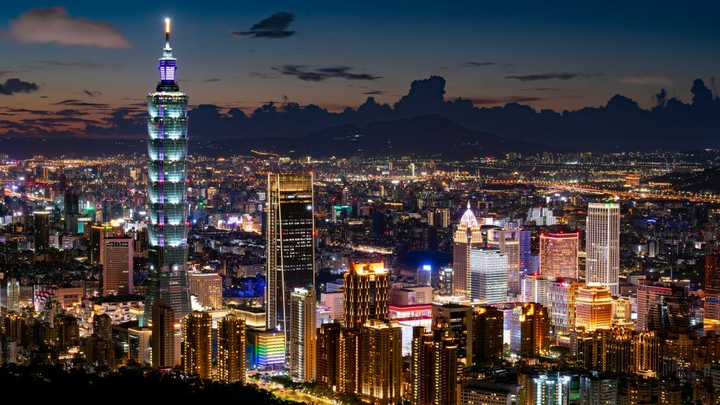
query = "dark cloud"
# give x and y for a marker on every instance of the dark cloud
(26, 111)
(53, 64)
(55, 26)
(14, 86)
(70, 112)
(478, 64)
(92, 93)
(645, 78)
(375, 92)
(273, 27)
(79, 103)
(318, 75)
(553, 76)
(504, 100)
(543, 89)
(212, 80)
(262, 75)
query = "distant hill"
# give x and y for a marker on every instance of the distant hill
(708, 179)
(425, 136)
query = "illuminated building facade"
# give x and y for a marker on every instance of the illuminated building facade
(467, 236)
(118, 266)
(267, 349)
(207, 287)
(559, 255)
(561, 305)
(593, 307)
(350, 370)
(545, 388)
(303, 308)
(488, 325)
(507, 241)
(365, 293)
(290, 250)
(535, 289)
(597, 390)
(459, 319)
(162, 340)
(530, 330)
(167, 190)
(433, 366)
(328, 355)
(231, 341)
(197, 344)
(488, 275)
(712, 290)
(381, 362)
(603, 245)
(650, 295)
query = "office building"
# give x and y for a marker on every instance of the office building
(598, 390)
(301, 345)
(593, 307)
(98, 233)
(290, 250)
(559, 255)
(602, 245)
(507, 241)
(445, 282)
(540, 388)
(266, 349)
(649, 300)
(167, 191)
(476, 392)
(529, 330)
(231, 342)
(467, 236)
(535, 289)
(41, 234)
(561, 305)
(433, 368)
(365, 293)
(488, 276)
(13, 295)
(197, 344)
(459, 319)
(162, 340)
(118, 266)
(381, 362)
(488, 326)
(208, 287)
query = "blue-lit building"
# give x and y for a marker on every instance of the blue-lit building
(167, 159)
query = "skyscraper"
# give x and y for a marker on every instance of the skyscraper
(712, 290)
(460, 320)
(593, 307)
(650, 296)
(433, 366)
(529, 330)
(197, 344)
(381, 360)
(488, 275)
(231, 348)
(603, 245)
(561, 305)
(118, 266)
(290, 249)
(507, 241)
(328, 355)
(488, 323)
(350, 368)
(303, 308)
(365, 293)
(41, 233)
(162, 340)
(559, 255)
(467, 236)
(167, 189)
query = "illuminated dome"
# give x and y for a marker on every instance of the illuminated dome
(468, 219)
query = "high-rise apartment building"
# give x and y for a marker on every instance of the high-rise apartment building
(712, 290)
(467, 236)
(459, 319)
(593, 307)
(41, 233)
(167, 191)
(433, 366)
(381, 362)
(365, 293)
(231, 340)
(488, 275)
(301, 345)
(488, 326)
(328, 355)
(603, 245)
(290, 247)
(118, 265)
(529, 330)
(197, 344)
(162, 341)
(350, 368)
(559, 255)
(598, 390)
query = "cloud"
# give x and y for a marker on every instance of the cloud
(43, 64)
(212, 80)
(92, 93)
(261, 75)
(543, 89)
(6, 72)
(375, 92)
(645, 78)
(505, 100)
(552, 76)
(55, 26)
(78, 103)
(318, 75)
(273, 27)
(478, 64)
(14, 86)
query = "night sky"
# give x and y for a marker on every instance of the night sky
(95, 57)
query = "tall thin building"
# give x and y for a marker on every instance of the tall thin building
(559, 255)
(231, 348)
(197, 344)
(467, 236)
(290, 249)
(365, 293)
(328, 355)
(350, 367)
(118, 266)
(460, 320)
(381, 360)
(41, 233)
(167, 190)
(162, 340)
(507, 241)
(488, 275)
(712, 290)
(593, 307)
(603, 245)
(303, 309)
(561, 305)
(488, 324)
(433, 367)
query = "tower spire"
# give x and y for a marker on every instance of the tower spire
(167, 51)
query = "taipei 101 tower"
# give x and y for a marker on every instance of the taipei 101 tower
(167, 191)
